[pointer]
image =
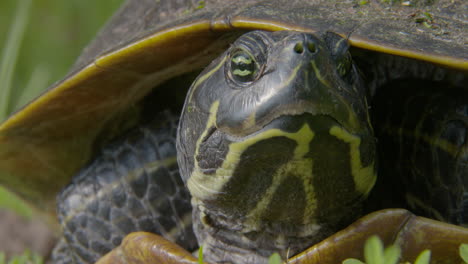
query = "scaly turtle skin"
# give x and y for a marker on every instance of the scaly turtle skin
(249, 130)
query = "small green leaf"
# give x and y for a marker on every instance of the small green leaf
(201, 5)
(373, 251)
(35, 258)
(352, 261)
(200, 255)
(424, 257)
(427, 15)
(391, 254)
(464, 252)
(275, 258)
(26, 258)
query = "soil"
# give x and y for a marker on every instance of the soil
(18, 234)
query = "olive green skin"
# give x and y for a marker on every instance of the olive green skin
(45, 143)
(296, 91)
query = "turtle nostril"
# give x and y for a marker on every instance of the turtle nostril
(311, 47)
(299, 48)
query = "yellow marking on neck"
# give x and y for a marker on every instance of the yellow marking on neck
(445, 145)
(199, 183)
(300, 166)
(364, 177)
(203, 187)
(193, 184)
(416, 203)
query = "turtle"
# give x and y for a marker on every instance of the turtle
(253, 127)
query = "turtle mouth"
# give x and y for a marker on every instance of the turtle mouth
(257, 120)
(255, 125)
(289, 121)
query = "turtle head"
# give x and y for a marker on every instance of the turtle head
(275, 133)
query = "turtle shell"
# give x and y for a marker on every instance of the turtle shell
(148, 42)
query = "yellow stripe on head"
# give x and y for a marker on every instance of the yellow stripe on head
(364, 177)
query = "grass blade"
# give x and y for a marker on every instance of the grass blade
(10, 55)
(38, 82)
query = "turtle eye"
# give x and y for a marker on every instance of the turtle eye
(244, 67)
(339, 48)
(343, 66)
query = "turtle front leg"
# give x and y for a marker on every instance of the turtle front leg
(411, 233)
(145, 248)
(132, 185)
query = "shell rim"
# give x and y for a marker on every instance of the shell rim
(238, 23)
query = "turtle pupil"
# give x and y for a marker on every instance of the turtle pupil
(243, 67)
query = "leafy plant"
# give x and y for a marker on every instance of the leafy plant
(464, 252)
(200, 255)
(374, 253)
(275, 258)
(26, 258)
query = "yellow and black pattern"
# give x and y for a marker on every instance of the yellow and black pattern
(423, 143)
(281, 165)
(275, 145)
(276, 151)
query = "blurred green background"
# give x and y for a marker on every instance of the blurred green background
(39, 41)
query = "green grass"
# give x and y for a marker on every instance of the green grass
(44, 38)
(55, 35)
(9, 59)
(26, 258)
(10, 54)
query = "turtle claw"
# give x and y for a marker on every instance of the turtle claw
(144, 248)
(411, 233)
